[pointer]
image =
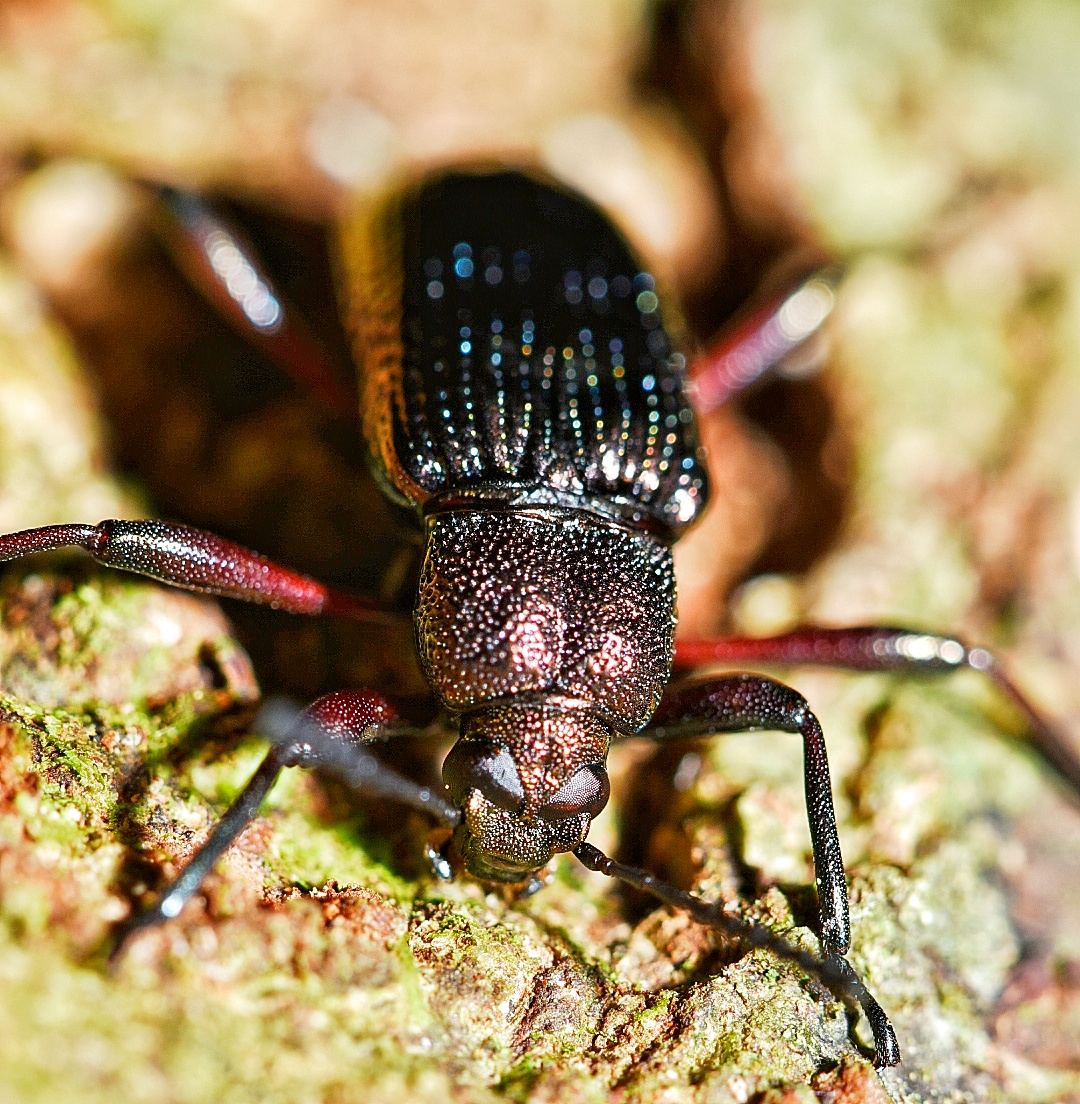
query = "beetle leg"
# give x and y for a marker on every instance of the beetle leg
(225, 269)
(435, 851)
(745, 703)
(887, 648)
(745, 352)
(194, 560)
(240, 814)
(835, 972)
(329, 735)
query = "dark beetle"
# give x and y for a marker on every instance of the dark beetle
(520, 391)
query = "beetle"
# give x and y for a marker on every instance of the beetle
(521, 393)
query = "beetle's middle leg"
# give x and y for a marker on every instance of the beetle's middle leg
(194, 560)
(887, 648)
(330, 735)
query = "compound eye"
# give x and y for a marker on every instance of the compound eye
(487, 767)
(586, 791)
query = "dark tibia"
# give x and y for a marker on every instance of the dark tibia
(224, 268)
(194, 560)
(747, 703)
(329, 735)
(887, 648)
(241, 813)
(834, 971)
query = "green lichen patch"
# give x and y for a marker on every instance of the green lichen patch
(92, 637)
(938, 762)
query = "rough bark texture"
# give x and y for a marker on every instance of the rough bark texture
(930, 146)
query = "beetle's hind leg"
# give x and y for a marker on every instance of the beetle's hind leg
(744, 703)
(330, 735)
(223, 267)
(762, 340)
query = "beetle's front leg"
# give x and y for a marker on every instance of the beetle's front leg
(746, 703)
(193, 560)
(330, 735)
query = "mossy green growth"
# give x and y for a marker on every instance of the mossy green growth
(313, 956)
(933, 146)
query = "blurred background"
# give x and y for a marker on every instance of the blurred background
(928, 472)
(931, 151)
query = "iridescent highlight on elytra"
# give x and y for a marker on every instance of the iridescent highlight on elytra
(535, 363)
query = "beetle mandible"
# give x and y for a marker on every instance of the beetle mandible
(520, 391)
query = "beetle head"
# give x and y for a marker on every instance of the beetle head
(528, 779)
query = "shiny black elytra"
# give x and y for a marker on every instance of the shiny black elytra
(519, 390)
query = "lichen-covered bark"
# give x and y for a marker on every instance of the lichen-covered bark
(931, 147)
